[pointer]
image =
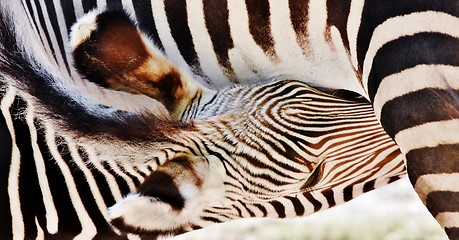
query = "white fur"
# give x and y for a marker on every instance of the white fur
(83, 28)
(147, 213)
(151, 214)
(436, 182)
(406, 25)
(429, 134)
(13, 178)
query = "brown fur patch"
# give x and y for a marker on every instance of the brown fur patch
(116, 56)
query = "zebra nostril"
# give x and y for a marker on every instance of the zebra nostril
(162, 187)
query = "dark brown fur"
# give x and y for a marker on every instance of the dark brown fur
(115, 56)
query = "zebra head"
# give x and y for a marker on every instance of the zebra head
(254, 151)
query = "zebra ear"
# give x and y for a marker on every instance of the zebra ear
(109, 50)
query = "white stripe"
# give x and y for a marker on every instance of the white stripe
(52, 218)
(133, 237)
(89, 178)
(317, 23)
(88, 230)
(250, 53)
(308, 206)
(413, 79)
(40, 233)
(122, 174)
(78, 6)
(428, 135)
(353, 24)
(42, 35)
(129, 8)
(448, 219)
(110, 179)
(102, 4)
(396, 27)
(13, 178)
(241, 70)
(51, 33)
(436, 182)
(65, 36)
(203, 44)
(164, 33)
(285, 39)
(130, 169)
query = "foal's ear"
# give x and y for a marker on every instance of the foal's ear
(109, 50)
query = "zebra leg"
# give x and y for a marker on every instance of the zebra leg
(171, 197)
(110, 51)
(417, 102)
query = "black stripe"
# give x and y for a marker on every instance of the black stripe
(299, 19)
(251, 213)
(260, 25)
(239, 212)
(132, 177)
(453, 233)
(217, 15)
(177, 18)
(138, 171)
(328, 194)
(146, 21)
(317, 205)
(368, 186)
(410, 51)
(338, 14)
(84, 191)
(69, 13)
(5, 161)
(393, 179)
(442, 201)
(68, 219)
(117, 5)
(299, 208)
(376, 12)
(262, 209)
(211, 219)
(56, 30)
(29, 190)
(348, 193)
(45, 29)
(124, 187)
(436, 160)
(32, 18)
(102, 184)
(89, 5)
(423, 106)
(280, 209)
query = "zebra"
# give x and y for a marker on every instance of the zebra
(400, 55)
(67, 158)
(377, 49)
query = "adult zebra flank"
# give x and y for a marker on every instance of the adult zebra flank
(74, 168)
(401, 55)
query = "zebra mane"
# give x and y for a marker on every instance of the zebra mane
(65, 104)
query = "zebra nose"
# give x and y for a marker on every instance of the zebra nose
(161, 186)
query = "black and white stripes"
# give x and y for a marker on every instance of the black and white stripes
(400, 55)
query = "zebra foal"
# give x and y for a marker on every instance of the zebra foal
(401, 55)
(70, 160)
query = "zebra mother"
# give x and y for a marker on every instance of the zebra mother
(401, 55)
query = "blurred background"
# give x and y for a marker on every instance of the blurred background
(392, 212)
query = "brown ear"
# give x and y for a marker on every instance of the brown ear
(110, 51)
